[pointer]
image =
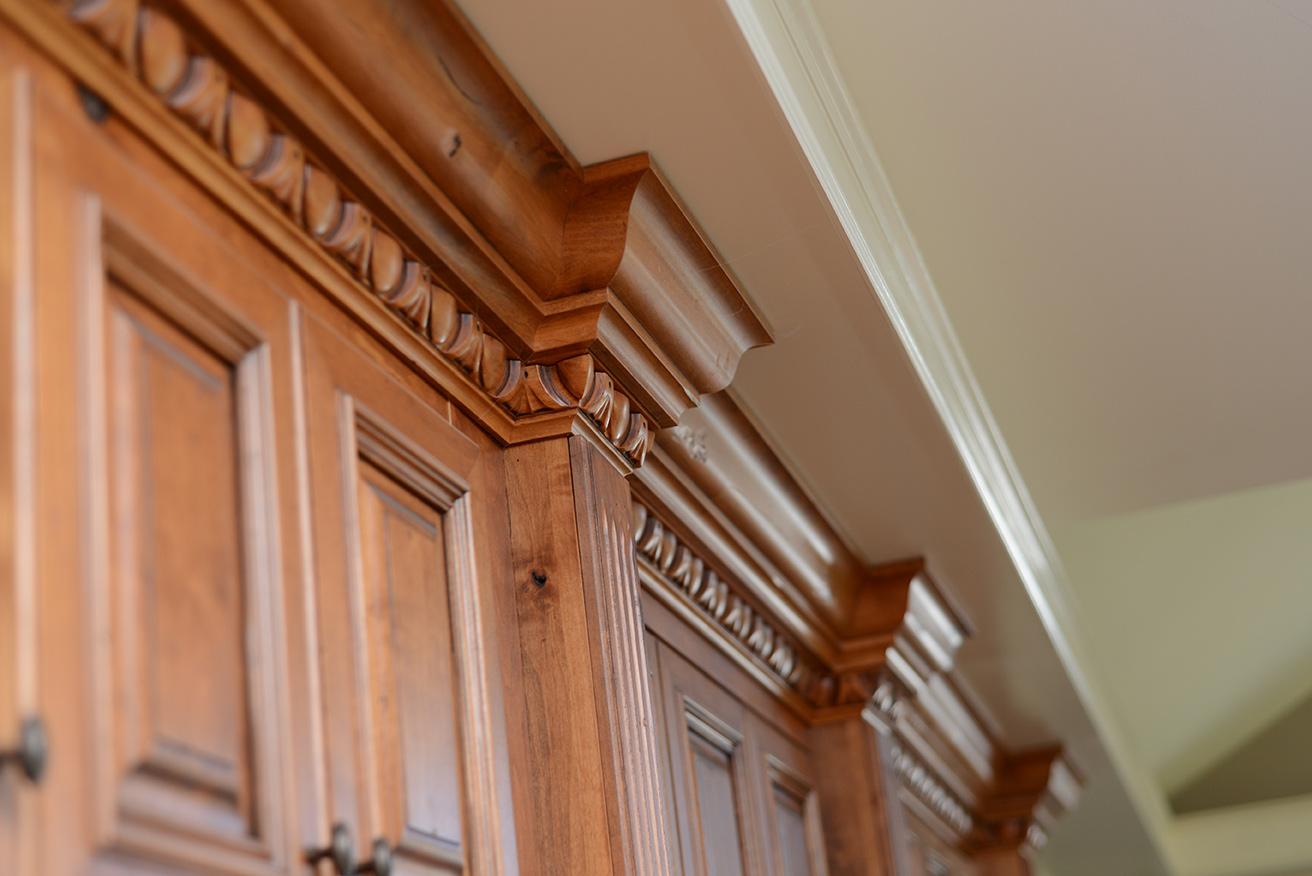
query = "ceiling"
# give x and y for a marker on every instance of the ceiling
(1111, 201)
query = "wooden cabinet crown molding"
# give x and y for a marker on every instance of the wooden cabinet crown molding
(719, 478)
(1032, 791)
(559, 259)
(663, 322)
(732, 543)
(557, 299)
(671, 312)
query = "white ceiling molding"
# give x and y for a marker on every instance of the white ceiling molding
(789, 46)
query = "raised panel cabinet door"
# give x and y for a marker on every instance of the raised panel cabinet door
(410, 744)
(166, 518)
(710, 767)
(795, 837)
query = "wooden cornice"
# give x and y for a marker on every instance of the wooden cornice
(1032, 791)
(726, 613)
(721, 453)
(559, 259)
(726, 531)
(709, 532)
(858, 609)
(975, 793)
(909, 619)
(669, 297)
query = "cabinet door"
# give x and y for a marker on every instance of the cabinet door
(166, 514)
(711, 759)
(410, 743)
(743, 788)
(795, 842)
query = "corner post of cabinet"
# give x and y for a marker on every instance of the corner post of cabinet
(590, 796)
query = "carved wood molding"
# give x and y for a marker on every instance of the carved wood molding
(671, 323)
(722, 601)
(921, 781)
(1010, 804)
(718, 600)
(153, 47)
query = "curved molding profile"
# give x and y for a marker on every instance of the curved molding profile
(154, 49)
(694, 313)
(1031, 792)
(925, 785)
(563, 259)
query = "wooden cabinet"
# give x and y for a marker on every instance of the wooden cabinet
(324, 448)
(254, 609)
(741, 781)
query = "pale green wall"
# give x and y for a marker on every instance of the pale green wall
(1200, 619)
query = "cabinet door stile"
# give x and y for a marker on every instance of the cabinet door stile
(18, 621)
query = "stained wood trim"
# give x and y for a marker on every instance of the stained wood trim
(620, 672)
(781, 775)
(561, 801)
(446, 488)
(669, 309)
(1009, 800)
(926, 787)
(689, 585)
(889, 663)
(19, 666)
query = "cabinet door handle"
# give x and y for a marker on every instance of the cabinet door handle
(32, 754)
(340, 850)
(380, 863)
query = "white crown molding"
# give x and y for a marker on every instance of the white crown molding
(786, 39)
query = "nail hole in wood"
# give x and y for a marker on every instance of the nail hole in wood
(92, 104)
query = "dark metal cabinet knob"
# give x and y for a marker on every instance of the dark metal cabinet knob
(32, 753)
(380, 864)
(340, 850)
